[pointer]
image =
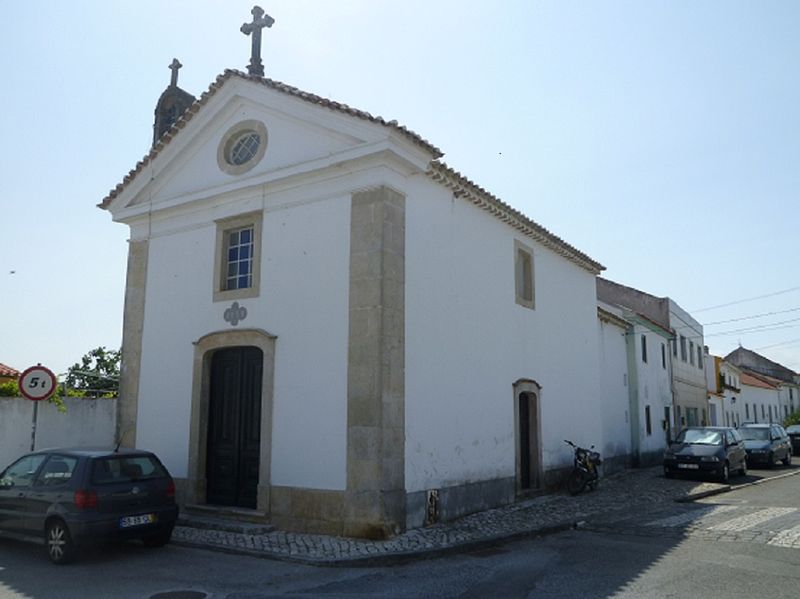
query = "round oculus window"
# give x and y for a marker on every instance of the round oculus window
(243, 148)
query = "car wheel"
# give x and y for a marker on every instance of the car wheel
(787, 461)
(158, 540)
(725, 473)
(60, 548)
(743, 469)
(668, 473)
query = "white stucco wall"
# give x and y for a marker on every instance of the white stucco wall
(303, 301)
(467, 342)
(760, 400)
(689, 375)
(654, 387)
(615, 395)
(87, 422)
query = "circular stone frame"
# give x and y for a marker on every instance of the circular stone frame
(230, 138)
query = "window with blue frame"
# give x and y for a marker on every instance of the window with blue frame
(237, 257)
(239, 250)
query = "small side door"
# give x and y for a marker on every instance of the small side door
(15, 482)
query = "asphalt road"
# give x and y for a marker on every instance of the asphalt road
(734, 545)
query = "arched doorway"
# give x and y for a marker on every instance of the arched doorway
(221, 353)
(527, 416)
(234, 427)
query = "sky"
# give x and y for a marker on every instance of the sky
(660, 138)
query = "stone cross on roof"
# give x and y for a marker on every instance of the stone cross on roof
(260, 20)
(174, 66)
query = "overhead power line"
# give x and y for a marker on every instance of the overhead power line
(749, 299)
(754, 316)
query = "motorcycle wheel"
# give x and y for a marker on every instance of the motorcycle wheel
(576, 481)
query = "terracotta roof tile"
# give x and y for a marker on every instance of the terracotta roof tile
(755, 381)
(463, 187)
(272, 84)
(7, 371)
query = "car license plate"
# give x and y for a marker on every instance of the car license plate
(689, 466)
(128, 521)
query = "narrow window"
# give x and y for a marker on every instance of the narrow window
(691, 353)
(647, 424)
(683, 348)
(700, 357)
(763, 411)
(674, 347)
(236, 271)
(663, 356)
(747, 411)
(239, 259)
(523, 275)
(644, 349)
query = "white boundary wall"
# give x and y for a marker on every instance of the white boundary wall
(86, 422)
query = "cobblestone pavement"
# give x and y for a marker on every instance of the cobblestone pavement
(712, 520)
(632, 490)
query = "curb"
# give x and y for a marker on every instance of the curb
(405, 556)
(386, 559)
(729, 488)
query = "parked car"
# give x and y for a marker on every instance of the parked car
(714, 450)
(766, 444)
(793, 431)
(70, 498)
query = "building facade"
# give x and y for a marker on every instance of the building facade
(327, 325)
(687, 372)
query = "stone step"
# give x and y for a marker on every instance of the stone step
(225, 519)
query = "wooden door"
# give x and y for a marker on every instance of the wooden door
(234, 427)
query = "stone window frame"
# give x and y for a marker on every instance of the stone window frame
(225, 225)
(230, 138)
(521, 250)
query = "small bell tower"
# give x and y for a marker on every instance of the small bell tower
(171, 105)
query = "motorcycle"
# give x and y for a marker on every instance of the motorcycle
(584, 472)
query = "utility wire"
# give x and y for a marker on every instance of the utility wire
(749, 299)
(708, 324)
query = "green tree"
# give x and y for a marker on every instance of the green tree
(97, 374)
(793, 418)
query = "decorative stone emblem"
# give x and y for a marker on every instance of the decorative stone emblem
(235, 313)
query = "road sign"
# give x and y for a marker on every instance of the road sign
(37, 382)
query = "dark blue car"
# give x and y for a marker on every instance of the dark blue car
(766, 444)
(70, 498)
(710, 450)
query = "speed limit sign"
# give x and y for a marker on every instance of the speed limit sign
(37, 382)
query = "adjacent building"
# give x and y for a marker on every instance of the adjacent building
(689, 389)
(635, 367)
(725, 400)
(763, 371)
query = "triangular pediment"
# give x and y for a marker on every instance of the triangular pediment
(295, 132)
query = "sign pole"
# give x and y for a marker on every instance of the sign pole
(36, 383)
(33, 428)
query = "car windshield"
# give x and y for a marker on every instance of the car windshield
(794, 429)
(701, 436)
(754, 434)
(117, 469)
